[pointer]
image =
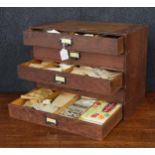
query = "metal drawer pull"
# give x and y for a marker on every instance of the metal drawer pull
(60, 79)
(66, 41)
(51, 121)
(74, 55)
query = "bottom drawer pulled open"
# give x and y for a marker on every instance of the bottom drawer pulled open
(90, 117)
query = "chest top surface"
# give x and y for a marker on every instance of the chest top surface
(92, 27)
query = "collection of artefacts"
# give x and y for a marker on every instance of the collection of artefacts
(88, 76)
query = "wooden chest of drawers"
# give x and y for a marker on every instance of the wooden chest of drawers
(120, 48)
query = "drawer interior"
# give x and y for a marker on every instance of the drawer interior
(48, 65)
(86, 33)
(99, 72)
(118, 97)
(82, 78)
(69, 105)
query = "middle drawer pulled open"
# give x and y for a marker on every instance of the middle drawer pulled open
(84, 78)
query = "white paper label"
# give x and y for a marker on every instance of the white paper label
(64, 54)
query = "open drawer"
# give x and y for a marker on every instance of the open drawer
(81, 115)
(87, 41)
(83, 58)
(70, 78)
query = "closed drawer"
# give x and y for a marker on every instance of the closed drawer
(81, 58)
(104, 44)
(68, 80)
(17, 110)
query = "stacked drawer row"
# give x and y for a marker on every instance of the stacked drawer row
(107, 50)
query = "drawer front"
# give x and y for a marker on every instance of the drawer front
(75, 126)
(81, 58)
(105, 45)
(68, 80)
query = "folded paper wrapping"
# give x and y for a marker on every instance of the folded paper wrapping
(94, 72)
(85, 101)
(88, 35)
(60, 67)
(49, 101)
(70, 105)
(42, 64)
(64, 99)
(52, 31)
(38, 95)
(81, 70)
(51, 66)
(97, 113)
(52, 105)
(79, 107)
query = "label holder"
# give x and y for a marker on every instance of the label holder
(51, 121)
(74, 55)
(66, 41)
(60, 79)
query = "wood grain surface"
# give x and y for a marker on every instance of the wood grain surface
(137, 131)
(116, 37)
(85, 58)
(105, 45)
(72, 81)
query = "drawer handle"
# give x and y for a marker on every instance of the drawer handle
(60, 79)
(66, 41)
(74, 55)
(51, 121)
